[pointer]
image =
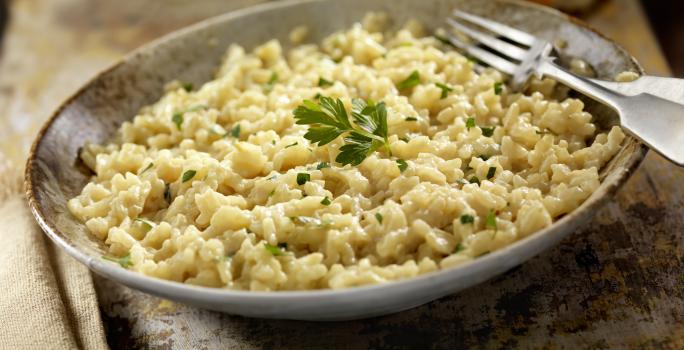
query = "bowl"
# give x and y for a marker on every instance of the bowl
(95, 111)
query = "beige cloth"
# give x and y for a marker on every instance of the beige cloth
(48, 300)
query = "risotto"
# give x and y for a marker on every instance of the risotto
(432, 165)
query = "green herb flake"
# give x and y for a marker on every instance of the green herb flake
(467, 219)
(378, 217)
(498, 88)
(302, 178)
(445, 90)
(326, 201)
(491, 172)
(274, 250)
(235, 131)
(402, 165)
(405, 139)
(459, 248)
(291, 145)
(475, 180)
(411, 119)
(188, 175)
(412, 80)
(324, 82)
(148, 167)
(271, 82)
(490, 221)
(177, 118)
(322, 165)
(270, 194)
(470, 123)
(317, 96)
(124, 261)
(167, 193)
(328, 120)
(488, 132)
(483, 157)
(145, 224)
(188, 87)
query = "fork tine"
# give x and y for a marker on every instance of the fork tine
(501, 46)
(498, 28)
(484, 56)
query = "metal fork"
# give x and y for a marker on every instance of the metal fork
(656, 121)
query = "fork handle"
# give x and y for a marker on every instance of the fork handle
(668, 88)
(656, 121)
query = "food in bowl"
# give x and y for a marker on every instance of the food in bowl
(371, 157)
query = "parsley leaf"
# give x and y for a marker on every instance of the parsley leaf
(271, 81)
(467, 219)
(411, 119)
(177, 118)
(445, 90)
(273, 249)
(410, 81)
(167, 193)
(490, 221)
(328, 120)
(498, 88)
(188, 175)
(148, 167)
(470, 123)
(322, 165)
(146, 224)
(124, 261)
(488, 132)
(378, 217)
(302, 178)
(491, 172)
(402, 165)
(459, 248)
(474, 180)
(235, 131)
(326, 201)
(291, 145)
(322, 82)
(188, 87)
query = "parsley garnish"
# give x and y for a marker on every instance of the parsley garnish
(411, 81)
(235, 131)
(498, 88)
(378, 217)
(326, 201)
(302, 178)
(271, 81)
(317, 96)
(322, 165)
(167, 193)
(124, 261)
(177, 118)
(148, 167)
(490, 221)
(146, 224)
(411, 119)
(459, 247)
(445, 89)
(491, 172)
(270, 194)
(488, 132)
(483, 156)
(467, 219)
(402, 165)
(291, 145)
(188, 175)
(188, 87)
(470, 123)
(324, 82)
(474, 180)
(273, 249)
(328, 120)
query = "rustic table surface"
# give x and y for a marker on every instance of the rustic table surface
(617, 283)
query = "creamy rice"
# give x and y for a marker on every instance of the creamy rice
(203, 187)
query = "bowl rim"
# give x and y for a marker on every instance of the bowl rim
(136, 279)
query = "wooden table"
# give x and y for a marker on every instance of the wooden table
(617, 283)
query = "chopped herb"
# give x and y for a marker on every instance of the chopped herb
(322, 165)
(148, 167)
(273, 142)
(146, 224)
(302, 178)
(411, 119)
(328, 120)
(271, 81)
(177, 118)
(292, 144)
(410, 81)
(326, 201)
(273, 249)
(402, 165)
(474, 180)
(490, 221)
(270, 194)
(445, 89)
(498, 88)
(317, 96)
(167, 193)
(282, 245)
(378, 217)
(124, 261)
(483, 156)
(235, 131)
(491, 172)
(405, 139)
(272, 177)
(488, 132)
(188, 87)
(188, 175)
(324, 82)
(459, 248)
(470, 123)
(467, 219)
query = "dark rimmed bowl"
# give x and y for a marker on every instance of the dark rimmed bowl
(94, 112)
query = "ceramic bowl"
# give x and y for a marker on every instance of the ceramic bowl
(95, 111)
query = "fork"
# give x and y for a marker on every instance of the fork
(656, 121)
